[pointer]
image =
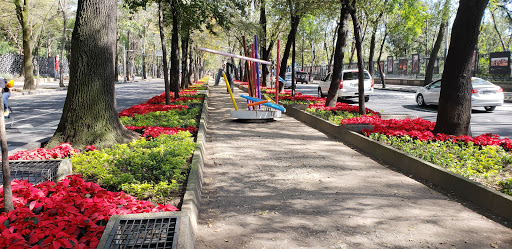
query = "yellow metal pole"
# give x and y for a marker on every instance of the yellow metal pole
(229, 90)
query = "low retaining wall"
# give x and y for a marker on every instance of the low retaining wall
(490, 199)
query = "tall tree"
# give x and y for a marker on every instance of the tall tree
(23, 14)
(175, 63)
(375, 26)
(339, 55)
(62, 7)
(429, 71)
(360, 63)
(89, 115)
(296, 10)
(454, 110)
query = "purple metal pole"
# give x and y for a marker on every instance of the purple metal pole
(257, 67)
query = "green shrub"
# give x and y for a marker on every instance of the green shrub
(485, 164)
(171, 118)
(160, 162)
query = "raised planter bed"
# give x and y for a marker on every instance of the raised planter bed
(490, 199)
(190, 206)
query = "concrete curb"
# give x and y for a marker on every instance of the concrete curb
(191, 200)
(490, 199)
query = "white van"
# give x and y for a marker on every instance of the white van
(348, 87)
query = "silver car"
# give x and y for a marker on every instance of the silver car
(485, 94)
(348, 85)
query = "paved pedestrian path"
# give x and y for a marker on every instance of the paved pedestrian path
(283, 184)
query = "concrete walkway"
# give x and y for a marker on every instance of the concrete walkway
(285, 185)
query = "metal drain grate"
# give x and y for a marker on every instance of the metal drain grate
(35, 172)
(144, 233)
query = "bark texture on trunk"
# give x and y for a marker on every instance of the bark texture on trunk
(360, 66)
(185, 80)
(6, 170)
(454, 110)
(175, 61)
(23, 14)
(167, 84)
(89, 115)
(339, 55)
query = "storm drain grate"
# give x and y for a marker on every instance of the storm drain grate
(35, 172)
(144, 233)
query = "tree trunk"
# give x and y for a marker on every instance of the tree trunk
(333, 47)
(175, 68)
(429, 71)
(360, 66)
(454, 110)
(191, 65)
(184, 56)
(372, 43)
(263, 43)
(62, 4)
(144, 66)
(36, 64)
(27, 68)
(6, 170)
(497, 30)
(339, 55)
(164, 53)
(291, 37)
(381, 70)
(89, 115)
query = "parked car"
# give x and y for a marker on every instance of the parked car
(302, 77)
(348, 86)
(485, 94)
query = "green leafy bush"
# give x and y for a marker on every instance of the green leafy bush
(172, 118)
(143, 167)
(488, 165)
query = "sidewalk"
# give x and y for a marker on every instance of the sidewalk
(283, 184)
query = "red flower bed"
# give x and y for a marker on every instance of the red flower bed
(70, 214)
(147, 108)
(160, 99)
(300, 97)
(340, 107)
(155, 131)
(61, 151)
(422, 129)
(273, 91)
(242, 83)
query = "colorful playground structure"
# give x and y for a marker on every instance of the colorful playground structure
(271, 109)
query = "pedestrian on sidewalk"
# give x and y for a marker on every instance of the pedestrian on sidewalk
(6, 85)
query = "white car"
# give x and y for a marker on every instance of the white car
(485, 94)
(348, 86)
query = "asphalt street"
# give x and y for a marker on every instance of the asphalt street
(37, 116)
(396, 102)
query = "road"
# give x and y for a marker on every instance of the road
(497, 122)
(36, 117)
